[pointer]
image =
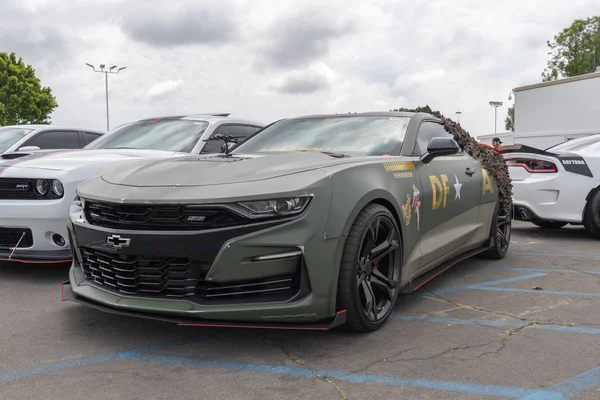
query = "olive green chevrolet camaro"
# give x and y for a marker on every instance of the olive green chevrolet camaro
(311, 223)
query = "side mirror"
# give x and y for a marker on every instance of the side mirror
(29, 148)
(439, 146)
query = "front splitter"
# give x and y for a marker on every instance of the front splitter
(67, 294)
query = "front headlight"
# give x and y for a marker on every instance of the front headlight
(49, 188)
(57, 188)
(275, 207)
(42, 186)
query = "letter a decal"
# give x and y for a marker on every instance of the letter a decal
(487, 182)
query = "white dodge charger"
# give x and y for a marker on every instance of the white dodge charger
(557, 186)
(36, 191)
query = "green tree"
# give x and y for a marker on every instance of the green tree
(509, 122)
(575, 50)
(425, 109)
(23, 100)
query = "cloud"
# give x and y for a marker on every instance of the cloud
(313, 79)
(164, 88)
(167, 24)
(42, 43)
(304, 36)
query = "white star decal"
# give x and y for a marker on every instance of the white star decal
(457, 187)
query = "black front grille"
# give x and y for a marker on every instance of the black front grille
(17, 188)
(156, 277)
(159, 217)
(172, 277)
(9, 237)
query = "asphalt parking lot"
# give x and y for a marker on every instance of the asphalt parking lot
(525, 327)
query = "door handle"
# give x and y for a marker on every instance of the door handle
(470, 171)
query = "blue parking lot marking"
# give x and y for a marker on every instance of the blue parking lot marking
(569, 388)
(556, 292)
(57, 366)
(146, 355)
(546, 270)
(560, 391)
(497, 324)
(83, 361)
(578, 254)
(460, 387)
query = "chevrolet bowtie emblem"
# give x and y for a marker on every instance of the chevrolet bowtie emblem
(117, 242)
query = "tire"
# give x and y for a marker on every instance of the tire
(501, 232)
(360, 278)
(591, 216)
(550, 224)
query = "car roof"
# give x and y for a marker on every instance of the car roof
(390, 114)
(53, 127)
(361, 114)
(581, 141)
(25, 126)
(209, 117)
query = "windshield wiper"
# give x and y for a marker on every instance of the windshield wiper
(332, 154)
(123, 147)
(227, 139)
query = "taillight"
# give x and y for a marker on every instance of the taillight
(532, 166)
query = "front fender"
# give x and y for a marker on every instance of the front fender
(341, 218)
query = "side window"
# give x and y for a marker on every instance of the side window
(55, 140)
(90, 137)
(427, 131)
(232, 130)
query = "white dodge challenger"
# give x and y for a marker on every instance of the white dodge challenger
(36, 191)
(557, 186)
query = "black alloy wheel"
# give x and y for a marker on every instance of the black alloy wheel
(501, 231)
(371, 268)
(591, 217)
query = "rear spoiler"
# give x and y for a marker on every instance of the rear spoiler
(522, 148)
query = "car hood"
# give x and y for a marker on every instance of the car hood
(70, 159)
(220, 170)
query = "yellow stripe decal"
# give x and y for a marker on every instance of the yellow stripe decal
(399, 166)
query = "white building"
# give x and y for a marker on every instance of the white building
(548, 113)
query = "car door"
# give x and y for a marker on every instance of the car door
(451, 195)
(55, 139)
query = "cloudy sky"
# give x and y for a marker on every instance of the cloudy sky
(267, 59)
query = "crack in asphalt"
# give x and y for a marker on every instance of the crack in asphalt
(510, 333)
(329, 380)
(450, 351)
(383, 359)
(595, 276)
(463, 306)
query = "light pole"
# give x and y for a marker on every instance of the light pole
(106, 72)
(495, 104)
(458, 116)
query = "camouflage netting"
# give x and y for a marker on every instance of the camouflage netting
(492, 160)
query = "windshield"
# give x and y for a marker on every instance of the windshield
(360, 135)
(10, 136)
(159, 134)
(576, 144)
